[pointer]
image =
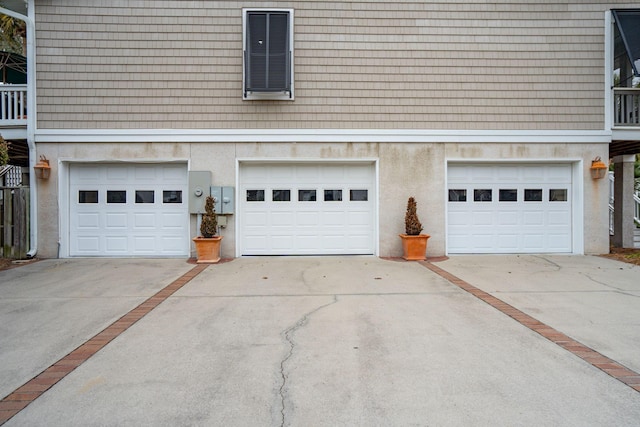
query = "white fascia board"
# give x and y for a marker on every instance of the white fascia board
(323, 135)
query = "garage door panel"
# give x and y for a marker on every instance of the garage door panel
(507, 173)
(144, 244)
(482, 217)
(533, 218)
(256, 219)
(142, 175)
(507, 218)
(282, 242)
(508, 242)
(308, 219)
(359, 219)
(333, 218)
(282, 219)
(458, 218)
(306, 224)
(534, 241)
(144, 220)
(116, 220)
(171, 221)
(98, 226)
(116, 244)
(117, 174)
(89, 244)
(529, 209)
(561, 218)
(88, 220)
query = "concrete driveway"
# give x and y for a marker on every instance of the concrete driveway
(320, 341)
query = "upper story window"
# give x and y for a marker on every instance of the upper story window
(268, 54)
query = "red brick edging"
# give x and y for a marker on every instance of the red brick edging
(34, 388)
(605, 364)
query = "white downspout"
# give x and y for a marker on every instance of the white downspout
(31, 119)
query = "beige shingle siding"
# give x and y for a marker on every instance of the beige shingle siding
(402, 64)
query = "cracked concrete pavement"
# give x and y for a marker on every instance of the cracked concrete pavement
(325, 341)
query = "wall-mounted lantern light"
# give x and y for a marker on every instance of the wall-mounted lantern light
(598, 169)
(42, 168)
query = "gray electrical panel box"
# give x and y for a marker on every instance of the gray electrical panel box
(225, 199)
(199, 183)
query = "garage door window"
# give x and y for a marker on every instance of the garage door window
(332, 195)
(510, 195)
(172, 196)
(359, 195)
(533, 195)
(281, 195)
(457, 195)
(255, 195)
(306, 195)
(558, 195)
(145, 196)
(87, 196)
(482, 195)
(116, 196)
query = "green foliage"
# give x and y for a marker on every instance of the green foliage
(411, 222)
(13, 34)
(209, 224)
(4, 152)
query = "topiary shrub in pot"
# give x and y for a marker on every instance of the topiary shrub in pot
(208, 243)
(414, 244)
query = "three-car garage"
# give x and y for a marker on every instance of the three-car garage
(315, 208)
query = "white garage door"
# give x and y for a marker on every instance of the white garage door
(307, 208)
(128, 210)
(509, 208)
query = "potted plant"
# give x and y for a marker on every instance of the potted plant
(208, 243)
(414, 244)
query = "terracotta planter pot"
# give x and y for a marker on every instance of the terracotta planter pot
(414, 247)
(208, 249)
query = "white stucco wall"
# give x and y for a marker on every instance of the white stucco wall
(405, 169)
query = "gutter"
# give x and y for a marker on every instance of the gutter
(31, 119)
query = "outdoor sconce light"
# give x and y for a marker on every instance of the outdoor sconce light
(42, 168)
(598, 169)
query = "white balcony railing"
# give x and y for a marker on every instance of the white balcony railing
(626, 102)
(13, 105)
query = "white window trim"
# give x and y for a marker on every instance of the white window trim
(608, 70)
(269, 96)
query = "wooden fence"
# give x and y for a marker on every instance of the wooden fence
(14, 222)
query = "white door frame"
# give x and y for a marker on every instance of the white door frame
(64, 208)
(289, 160)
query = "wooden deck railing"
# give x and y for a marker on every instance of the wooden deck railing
(13, 105)
(626, 106)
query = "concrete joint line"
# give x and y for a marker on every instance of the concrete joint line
(22, 397)
(609, 366)
(288, 336)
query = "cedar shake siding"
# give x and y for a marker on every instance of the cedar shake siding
(155, 64)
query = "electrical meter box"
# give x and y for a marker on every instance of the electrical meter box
(199, 183)
(224, 198)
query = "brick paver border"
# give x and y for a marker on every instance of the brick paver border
(34, 388)
(605, 364)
